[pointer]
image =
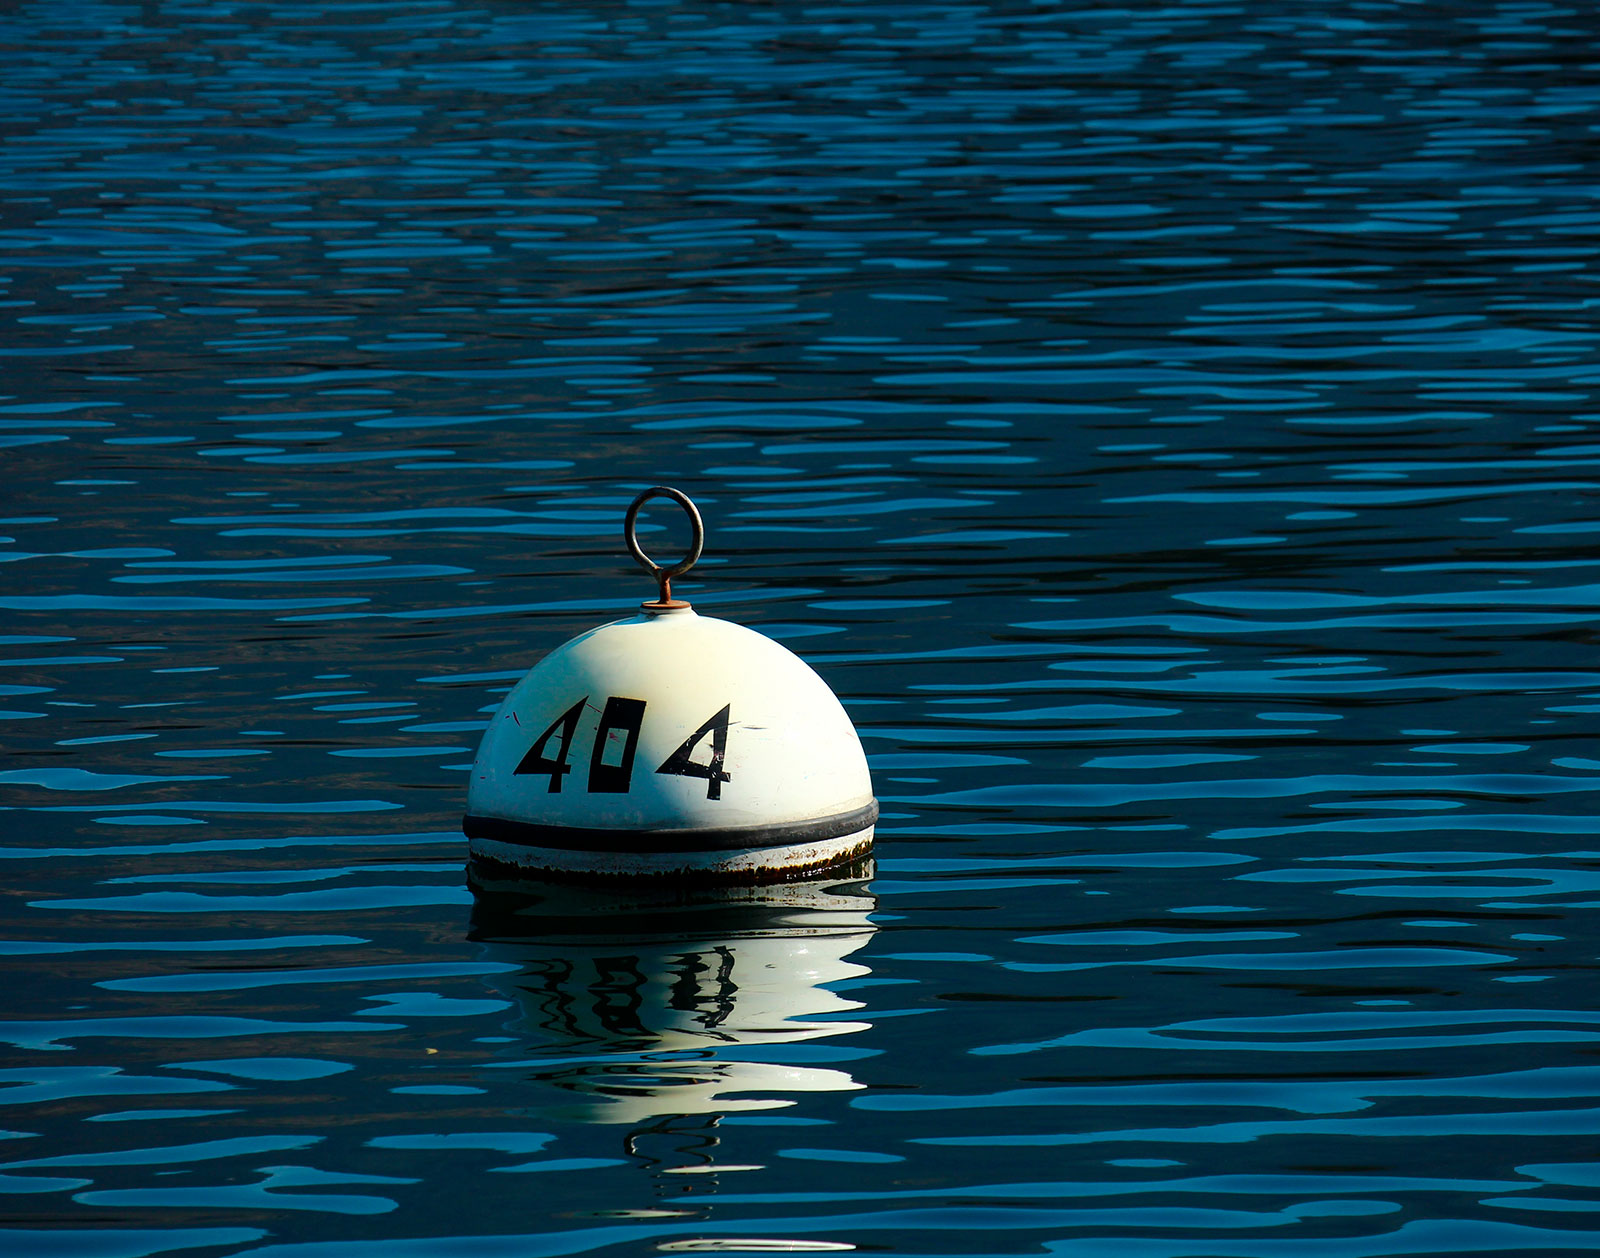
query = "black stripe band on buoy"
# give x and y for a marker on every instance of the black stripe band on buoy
(745, 838)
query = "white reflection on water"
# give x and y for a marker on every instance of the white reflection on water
(636, 1011)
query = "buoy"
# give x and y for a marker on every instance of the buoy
(670, 745)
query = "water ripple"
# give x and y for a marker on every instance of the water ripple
(1170, 429)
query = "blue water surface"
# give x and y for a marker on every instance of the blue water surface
(1171, 428)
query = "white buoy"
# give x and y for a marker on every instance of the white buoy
(670, 745)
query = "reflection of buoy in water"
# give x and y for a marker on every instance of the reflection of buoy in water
(628, 1013)
(670, 744)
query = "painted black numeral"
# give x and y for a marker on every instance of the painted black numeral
(679, 764)
(556, 766)
(611, 763)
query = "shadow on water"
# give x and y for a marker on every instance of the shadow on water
(663, 1010)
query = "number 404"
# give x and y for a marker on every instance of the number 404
(616, 741)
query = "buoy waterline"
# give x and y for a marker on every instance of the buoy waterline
(670, 745)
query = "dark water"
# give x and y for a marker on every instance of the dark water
(1170, 428)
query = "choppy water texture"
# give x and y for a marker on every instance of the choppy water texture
(1171, 430)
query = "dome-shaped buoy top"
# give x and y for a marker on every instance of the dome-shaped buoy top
(670, 744)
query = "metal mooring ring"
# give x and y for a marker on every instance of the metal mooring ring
(662, 575)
